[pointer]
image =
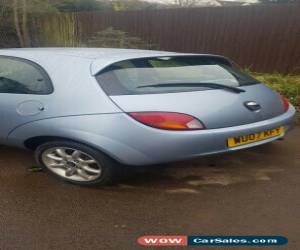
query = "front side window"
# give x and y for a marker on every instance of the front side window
(170, 74)
(19, 76)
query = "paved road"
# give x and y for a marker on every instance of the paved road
(250, 192)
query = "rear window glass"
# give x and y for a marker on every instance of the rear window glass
(170, 74)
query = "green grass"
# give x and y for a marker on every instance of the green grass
(287, 85)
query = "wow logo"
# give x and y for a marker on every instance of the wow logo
(182, 240)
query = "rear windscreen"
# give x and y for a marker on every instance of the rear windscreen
(170, 74)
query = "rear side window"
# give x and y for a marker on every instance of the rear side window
(20, 76)
(170, 74)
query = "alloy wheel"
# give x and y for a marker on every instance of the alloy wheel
(71, 164)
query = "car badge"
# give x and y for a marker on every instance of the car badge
(253, 106)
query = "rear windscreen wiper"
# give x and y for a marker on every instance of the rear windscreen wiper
(196, 84)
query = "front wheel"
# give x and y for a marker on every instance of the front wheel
(76, 163)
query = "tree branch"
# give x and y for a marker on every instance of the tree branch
(17, 22)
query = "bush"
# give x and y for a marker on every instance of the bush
(113, 38)
(287, 85)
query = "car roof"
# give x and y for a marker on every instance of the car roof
(91, 53)
(100, 57)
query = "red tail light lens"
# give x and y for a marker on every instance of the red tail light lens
(168, 120)
(285, 103)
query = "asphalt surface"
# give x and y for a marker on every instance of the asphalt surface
(251, 192)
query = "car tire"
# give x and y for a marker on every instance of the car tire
(59, 158)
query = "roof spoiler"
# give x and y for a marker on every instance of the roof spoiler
(101, 63)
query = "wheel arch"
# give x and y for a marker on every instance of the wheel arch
(33, 142)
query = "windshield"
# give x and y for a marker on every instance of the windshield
(170, 74)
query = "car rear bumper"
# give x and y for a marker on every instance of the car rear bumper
(166, 146)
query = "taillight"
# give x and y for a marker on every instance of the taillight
(167, 120)
(285, 103)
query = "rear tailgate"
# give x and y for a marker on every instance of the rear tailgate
(215, 108)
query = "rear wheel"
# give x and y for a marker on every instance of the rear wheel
(76, 163)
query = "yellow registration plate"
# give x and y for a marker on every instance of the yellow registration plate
(246, 139)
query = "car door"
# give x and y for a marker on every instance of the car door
(24, 88)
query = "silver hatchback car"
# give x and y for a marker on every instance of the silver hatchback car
(85, 111)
